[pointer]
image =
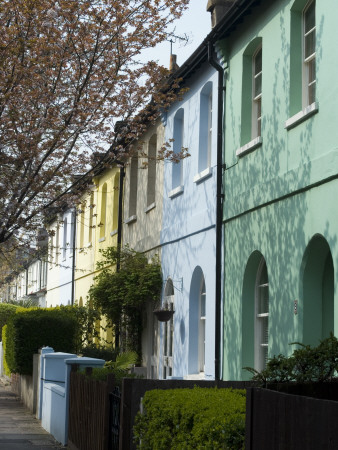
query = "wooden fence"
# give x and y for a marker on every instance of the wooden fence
(89, 409)
(279, 421)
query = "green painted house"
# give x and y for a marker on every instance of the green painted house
(280, 184)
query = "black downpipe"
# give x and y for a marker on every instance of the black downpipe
(119, 234)
(219, 208)
(119, 219)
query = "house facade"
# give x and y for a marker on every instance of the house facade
(280, 181)
(61, 258)
(142, 223)
(188, 234)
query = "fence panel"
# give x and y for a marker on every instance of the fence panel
(88, 413)
(289, 422)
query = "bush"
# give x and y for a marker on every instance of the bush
(30, 329)
(6, 311)
(94, 351)
(306, 364)
(200, 418)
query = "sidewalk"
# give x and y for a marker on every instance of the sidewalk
(19, 429)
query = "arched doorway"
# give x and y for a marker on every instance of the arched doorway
(317, 275)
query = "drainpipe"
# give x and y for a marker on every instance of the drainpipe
(219, 209)
(74, 254)
(119, 218)
(119, 231)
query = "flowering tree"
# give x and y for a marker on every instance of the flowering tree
(69, 70)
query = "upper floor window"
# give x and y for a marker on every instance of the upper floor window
(205, 136)
(133, 186)
(116, 201)
(82, 224)
(65, 242)
(309, 54)
(302, 96)
(251, 111)
(257, 94)
(151, 170)
(177, 147)
(91, 215)
(103, 215)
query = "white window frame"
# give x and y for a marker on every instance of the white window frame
(201, 327)
(168, 332)
(309, 60)
(256, 128)
(261, 320)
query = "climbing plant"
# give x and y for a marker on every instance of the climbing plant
(127, 282)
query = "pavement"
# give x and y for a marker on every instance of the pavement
(19, 429)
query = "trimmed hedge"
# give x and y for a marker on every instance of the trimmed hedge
(6, 311)
(30, 329)
(200, 418)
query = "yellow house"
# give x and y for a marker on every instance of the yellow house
(97, 228)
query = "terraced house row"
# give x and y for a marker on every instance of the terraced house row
(246, 227)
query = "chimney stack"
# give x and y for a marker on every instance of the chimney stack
(173, 66)
(218, 8)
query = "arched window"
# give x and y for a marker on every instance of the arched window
(261, 316)
(205, 136)
(255, 314)
(168, 331)
(152, 146)
(103, 215)
(197, 322)
(177, 148)
(201, 328)
(65, 232)
(251, 92)
(303, 56)
(133, 187)
(91, 215)
(116, 201)
(82, 224)
(256, 94)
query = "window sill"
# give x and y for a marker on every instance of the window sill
(113, 233)
(250, 146)
(175, 192)
(201, 176)
(301, 116)
(131, 219)
(150, 207)
(102, 239)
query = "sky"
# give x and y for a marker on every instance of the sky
(195, 23)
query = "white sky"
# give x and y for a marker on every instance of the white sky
(196, 23)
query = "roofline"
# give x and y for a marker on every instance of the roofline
(227, 24)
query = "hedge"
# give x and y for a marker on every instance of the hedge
(33, 328)
(6, 311)
(199, 418)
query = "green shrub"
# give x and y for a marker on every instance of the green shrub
(306, 364)
(30, 329)
(94, 351)
(6, 311)
(199, 418)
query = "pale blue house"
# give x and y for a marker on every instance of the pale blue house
(188, 236)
